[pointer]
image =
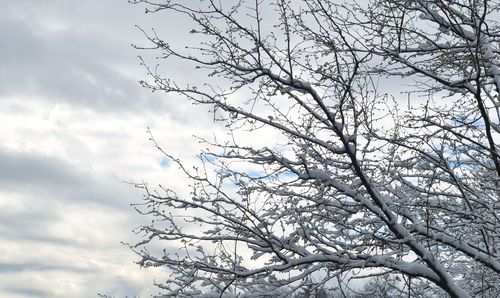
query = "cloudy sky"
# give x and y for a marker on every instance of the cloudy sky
(73, 125)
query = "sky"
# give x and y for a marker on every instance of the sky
(73, 122)
(73, 127)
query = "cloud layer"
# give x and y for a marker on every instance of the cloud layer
(73, 122)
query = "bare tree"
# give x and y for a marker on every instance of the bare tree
(390, 112)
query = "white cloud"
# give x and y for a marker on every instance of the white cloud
(73, 123)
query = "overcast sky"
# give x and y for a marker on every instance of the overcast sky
(73, 122)
(73, 128)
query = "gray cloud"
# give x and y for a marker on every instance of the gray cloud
(30, 226)
(64, 65)
(63, 69)
(11, 268)
(81, 55)
(48, 176)
(28, 291)
(21, 170)
(46, 185)
(75, 64)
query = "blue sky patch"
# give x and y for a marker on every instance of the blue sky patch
(165, 162)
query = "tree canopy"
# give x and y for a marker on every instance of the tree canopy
(390, 166)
